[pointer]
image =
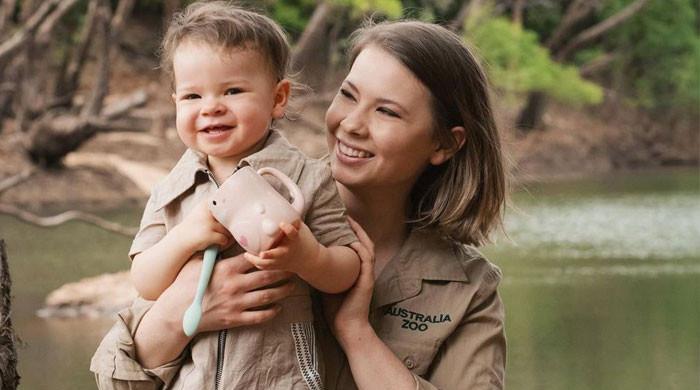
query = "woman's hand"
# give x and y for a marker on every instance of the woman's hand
(238, 297)
(349, 312)
(231, 297)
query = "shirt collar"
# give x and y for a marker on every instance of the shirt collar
(275, 152)
(424, 256)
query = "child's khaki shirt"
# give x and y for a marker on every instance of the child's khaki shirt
(280, 353)
(435, 305)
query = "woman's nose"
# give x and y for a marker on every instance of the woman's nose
(213, 107)
(354, 123)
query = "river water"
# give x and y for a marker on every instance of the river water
(601, 286)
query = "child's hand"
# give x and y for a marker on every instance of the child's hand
(297, 251)
(199, 229)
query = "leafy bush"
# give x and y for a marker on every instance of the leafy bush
(516, 62)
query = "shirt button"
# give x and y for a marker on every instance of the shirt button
(409, 363)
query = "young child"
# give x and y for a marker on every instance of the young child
(229, 66)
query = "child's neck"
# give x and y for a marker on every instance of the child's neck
(382, 214)
(223, 167)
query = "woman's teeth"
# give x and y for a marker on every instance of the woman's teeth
(351, 152)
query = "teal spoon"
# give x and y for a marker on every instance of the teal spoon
(193, 315)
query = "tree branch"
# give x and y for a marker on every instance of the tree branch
(47, 26)
(576, 11)
(118, 21)
(67, 82)
(590, 34)
(6, 11)
(12, 181)
(94, 105)
(597, 64)
(65, 217)
(20, 37)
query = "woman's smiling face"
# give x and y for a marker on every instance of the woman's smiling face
(380, 124)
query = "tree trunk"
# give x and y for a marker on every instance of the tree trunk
(517, 14)
(312, 53)
(67, 83)
(169, 8)
(575, 13)
(9, 379)
(530, 117)
(7, 8)
(562, 47)
(102, 49)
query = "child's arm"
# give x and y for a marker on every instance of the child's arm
(154, 269)
(331, 270)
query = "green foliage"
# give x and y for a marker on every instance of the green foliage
(658, 62)
(517, 63)
(293, 15)
(391, 8)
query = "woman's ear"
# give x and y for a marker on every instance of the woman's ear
(442, 154)
(282, 91)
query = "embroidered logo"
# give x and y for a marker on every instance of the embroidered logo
(416, 321)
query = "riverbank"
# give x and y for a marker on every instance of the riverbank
(585, 259)
(114, 169)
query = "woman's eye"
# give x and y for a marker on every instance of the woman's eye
(388, 112)
(346, 94)
(190, 96)
(233, 91)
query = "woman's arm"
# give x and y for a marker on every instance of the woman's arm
(373, 364)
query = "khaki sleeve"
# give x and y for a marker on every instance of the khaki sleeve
(114, 363)
(474, 356)
(326, 216)
(152, 227)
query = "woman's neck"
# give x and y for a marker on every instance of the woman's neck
(382, 215)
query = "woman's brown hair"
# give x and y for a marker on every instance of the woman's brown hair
(464, 197)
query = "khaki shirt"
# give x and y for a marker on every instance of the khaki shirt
(435, 305)
(284, 348)
(190, 183)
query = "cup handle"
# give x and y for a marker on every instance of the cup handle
(297, 197)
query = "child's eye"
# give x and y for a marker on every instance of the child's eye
(233, 91)
(346, 94)
(388, 112)
(190, 96)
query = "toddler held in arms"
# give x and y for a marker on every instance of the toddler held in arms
(229, 74)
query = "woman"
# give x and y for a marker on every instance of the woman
(415, 152)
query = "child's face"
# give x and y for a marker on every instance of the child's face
(225, 100)
(380, 124)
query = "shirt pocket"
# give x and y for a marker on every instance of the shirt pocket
(416, 354)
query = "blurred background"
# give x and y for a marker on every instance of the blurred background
(598, 103)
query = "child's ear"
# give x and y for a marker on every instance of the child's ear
(174, 97)
(282, 91)
(442, 154)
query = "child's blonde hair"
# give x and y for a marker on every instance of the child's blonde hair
(224, 25)
(465, 196)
